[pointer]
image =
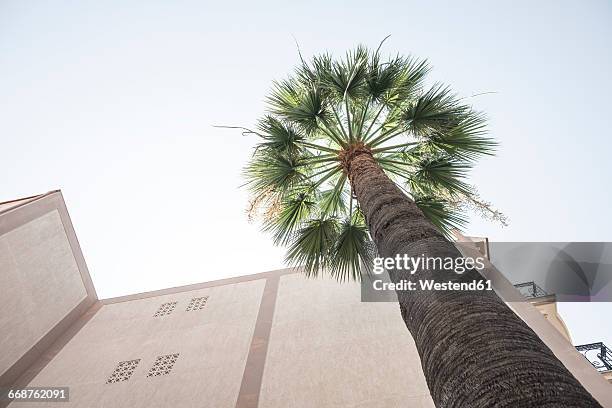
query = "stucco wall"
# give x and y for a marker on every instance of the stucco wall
(308, 343)
(5, 206)
(212, 344)
(326, 349)
(39, 284)
(329, 349)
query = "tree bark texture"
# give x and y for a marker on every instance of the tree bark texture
(475, 351)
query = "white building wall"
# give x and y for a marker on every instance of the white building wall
(329, 349)
(212, 344)
(312, 343)
(39, 284)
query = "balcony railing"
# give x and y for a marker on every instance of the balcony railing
(598, 355)
(530, 290)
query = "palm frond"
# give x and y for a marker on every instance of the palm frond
(293, 212)
(441, 214)
(314, 74)
(346, 78)
(270, 170)
(466, 139)
(353, 253)
(434, 174)
(410, 81)
(279, 136)
(285, 95)
(304, 107)
(382, 78)
(437, 109)
(313, 244)
(333, 201)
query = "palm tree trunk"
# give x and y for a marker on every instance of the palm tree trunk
(475, 352)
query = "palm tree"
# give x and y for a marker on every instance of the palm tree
(358, 158)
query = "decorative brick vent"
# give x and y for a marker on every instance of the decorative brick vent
(163, 365)
(197, 303)
(165, 309)
(123, 371)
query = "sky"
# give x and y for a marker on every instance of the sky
(114, 103)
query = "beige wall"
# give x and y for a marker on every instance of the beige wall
(311, 343)
(5, 206)
(212, 343)
(39, 284)
(329, 349)
(548, 307)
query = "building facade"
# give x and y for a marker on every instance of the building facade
(270, 340)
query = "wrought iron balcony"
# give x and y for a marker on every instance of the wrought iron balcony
(598, 355)
(530, 290)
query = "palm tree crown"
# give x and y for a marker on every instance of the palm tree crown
(425, 139)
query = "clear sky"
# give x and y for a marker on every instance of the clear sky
(114, 102)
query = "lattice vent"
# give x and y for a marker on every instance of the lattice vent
(123, 371)
(197, 303)
(163, 365)
(165, 309)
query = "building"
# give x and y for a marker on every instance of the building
(274, 339)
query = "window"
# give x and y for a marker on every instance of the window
(163, 365)
(123, 371)
(197, 303)
(165, 309)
